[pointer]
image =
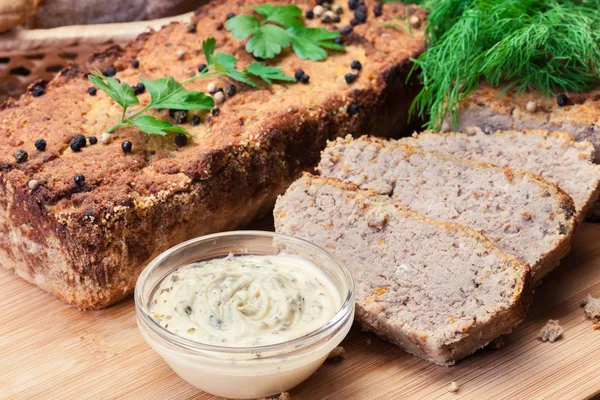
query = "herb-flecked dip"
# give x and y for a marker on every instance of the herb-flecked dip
(241, 301)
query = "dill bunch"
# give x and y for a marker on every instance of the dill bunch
(548, 45)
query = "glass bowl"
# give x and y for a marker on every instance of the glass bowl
(244, 372)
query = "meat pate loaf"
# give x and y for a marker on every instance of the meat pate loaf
(518, 211)
(556, 157)
(87, 243)
(438, 290)
(499, 109)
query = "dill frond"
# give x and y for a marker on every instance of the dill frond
(548, 45)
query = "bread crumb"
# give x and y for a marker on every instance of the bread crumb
(592, 308)
(369, 341)
(336, 354)
(551, 331)
(453, 388)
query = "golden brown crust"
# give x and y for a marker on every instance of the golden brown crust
(583, 108)
(88, 244)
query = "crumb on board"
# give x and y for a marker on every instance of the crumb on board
(453, 388)
(282, 396)
(336, 354)
(551, 331)
(592, 309)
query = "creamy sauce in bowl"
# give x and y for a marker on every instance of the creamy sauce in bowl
(241, 301)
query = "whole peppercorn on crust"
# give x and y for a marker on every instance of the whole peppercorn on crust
(87, 243)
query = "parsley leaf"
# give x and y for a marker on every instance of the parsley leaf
(224, 63)
(152, 126)
(267, 73)
(310, 43)
(168, 93)
(266, 41)
(286, 16)
(280, 27)
(122, 93)
(208, 47)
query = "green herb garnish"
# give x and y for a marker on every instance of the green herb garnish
(168, 93)
(280, 27)
(267, 73)
(164, 93)
(222, 64)
(548, 45)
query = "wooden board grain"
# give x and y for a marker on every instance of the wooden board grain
(52, 351)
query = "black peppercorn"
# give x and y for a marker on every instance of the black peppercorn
(20, 156)
(352, 109)
(196, 120)
(92, 90)
(215, 111)
(229, 16)
(79, 180)
(362, 7)
(336, 19)
(562, 100)
(354, 22)
(126, 146)
(346, 30)
(230, 90)
(360, 15)
(135, 64)
(75, 146)
(180, 140)
(350, 78)
(320, 2)
(378, 10)
(180, 117)
(110, 71)
(201, 67)
(326, 19)
(304, 79)
(77, 143)
(356, 65)
(191, 27)
(298, 74)
(139, 89)
(353, 4)
(40, 144)
(93, 140)
(309, 14)
(37, 90)
(338, 40)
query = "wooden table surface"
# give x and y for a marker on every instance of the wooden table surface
(52, 351)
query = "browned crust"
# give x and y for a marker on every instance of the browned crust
(583, 108)
(479, 334)
(90, 253)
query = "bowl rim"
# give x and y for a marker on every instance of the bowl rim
(346, 308)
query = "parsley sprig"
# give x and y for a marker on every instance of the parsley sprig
(164, 93)
(280, 27)
(222, 64)
(169, 93)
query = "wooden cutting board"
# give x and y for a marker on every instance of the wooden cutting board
(52, 351)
